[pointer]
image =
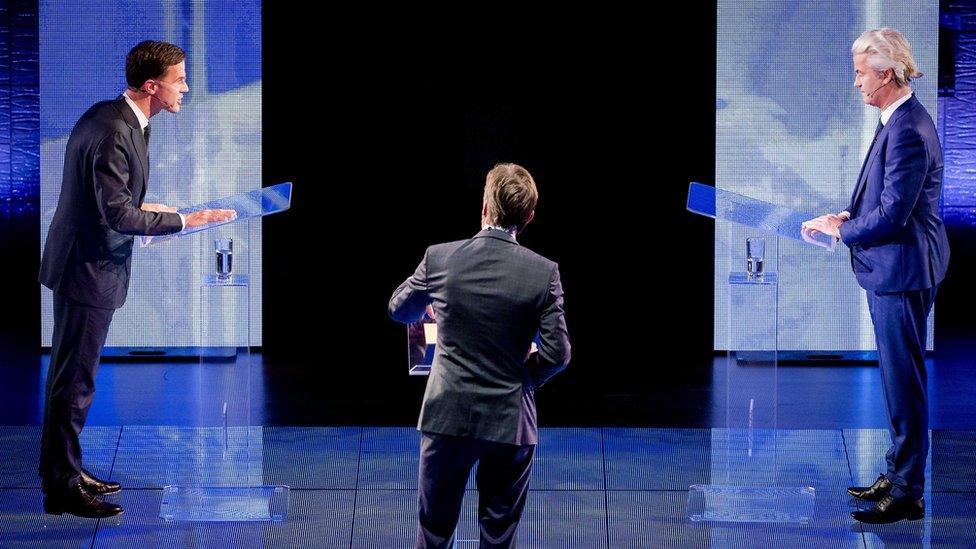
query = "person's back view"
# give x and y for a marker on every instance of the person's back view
(490, 298)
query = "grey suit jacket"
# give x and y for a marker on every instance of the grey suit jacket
(88, 252)
(490, 297)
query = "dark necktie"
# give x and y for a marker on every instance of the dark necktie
(876, 131)
(145, 133)
(857, 188)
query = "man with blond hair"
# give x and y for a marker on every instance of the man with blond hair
(490, 297)
(899, 254)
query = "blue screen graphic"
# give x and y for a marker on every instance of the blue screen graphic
(792, 130)
(211, 149)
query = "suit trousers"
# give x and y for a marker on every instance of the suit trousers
(502, 479)
(900, 330)
(79, 334)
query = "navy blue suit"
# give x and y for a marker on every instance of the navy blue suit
(899, 253)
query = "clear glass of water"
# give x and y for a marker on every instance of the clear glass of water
(224, 250)
(755, 252)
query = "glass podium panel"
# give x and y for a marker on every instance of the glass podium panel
(750, 212)
(747, 454)
(223, 477)
(249, 205)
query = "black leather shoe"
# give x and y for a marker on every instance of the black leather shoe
(875, 492)
(890, 510)
(79, 502)
(98, 486)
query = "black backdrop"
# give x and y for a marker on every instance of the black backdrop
(387, 131)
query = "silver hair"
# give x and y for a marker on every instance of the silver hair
(888, 49)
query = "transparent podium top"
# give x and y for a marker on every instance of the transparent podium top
(256, 203)
(722, 204)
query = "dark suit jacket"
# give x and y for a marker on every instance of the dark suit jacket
(88, 253)
(896, 237)
(490, 297)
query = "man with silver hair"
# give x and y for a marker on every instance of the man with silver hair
(899, 254)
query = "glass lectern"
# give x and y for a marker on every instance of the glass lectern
(749, 481)
(221, 478)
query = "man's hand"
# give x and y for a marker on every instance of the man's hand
(149, 207)
(827, 224)
(808, 237)
(206, 217)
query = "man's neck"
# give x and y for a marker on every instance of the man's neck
(511, 230)
(143, 102)
(900, 92)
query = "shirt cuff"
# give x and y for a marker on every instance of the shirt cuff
(182, 220)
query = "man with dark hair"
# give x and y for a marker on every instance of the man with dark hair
(490, 298)
(88, 256)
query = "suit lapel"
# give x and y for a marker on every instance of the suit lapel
(875, 150)
(865, 167)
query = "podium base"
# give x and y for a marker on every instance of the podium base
(721, 503)
(225, 503)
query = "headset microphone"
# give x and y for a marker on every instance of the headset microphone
(165, 104)
(879, 87)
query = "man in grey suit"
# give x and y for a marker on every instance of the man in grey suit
(491, 297)
(88, 256)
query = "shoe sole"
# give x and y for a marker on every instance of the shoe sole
(907, 517)
(116, 491)
(57, 509)
(60, 512)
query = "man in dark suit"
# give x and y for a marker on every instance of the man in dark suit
(88, 255)
(899, 254)
(490, 297)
